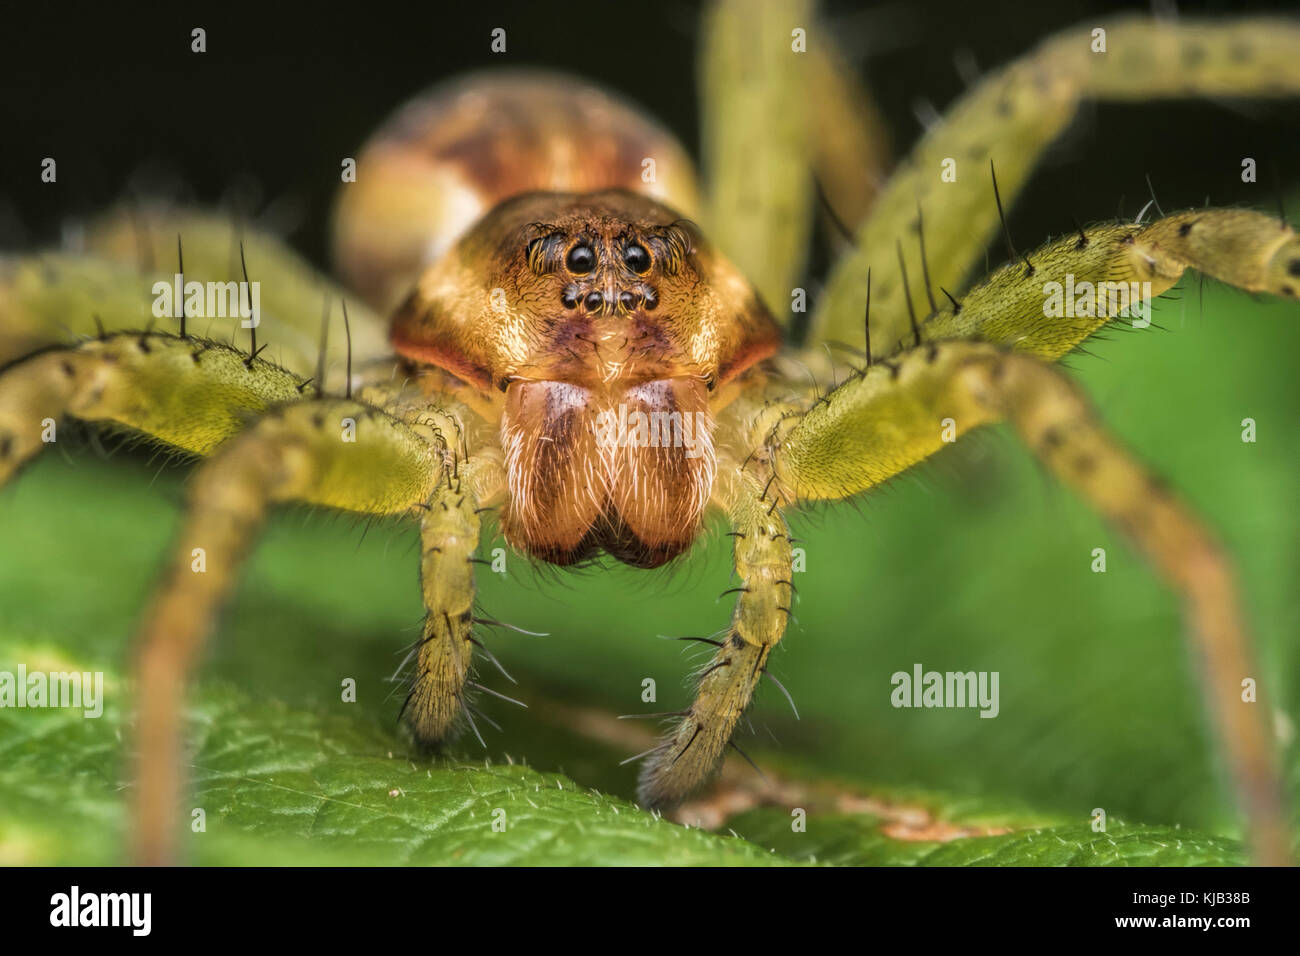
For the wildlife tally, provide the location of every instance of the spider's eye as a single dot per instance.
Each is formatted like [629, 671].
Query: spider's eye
[637, 259]
[581, 260]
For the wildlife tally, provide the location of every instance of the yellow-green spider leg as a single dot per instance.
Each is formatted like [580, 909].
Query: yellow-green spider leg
[338, 453]
[779, 105]
[188, 393]
[879, 423]
[112, 285]
[293, 295]
[50, 299]
[694, 749]
[755, 139]
[1017, 305]
[449, 534]
[1010, 118]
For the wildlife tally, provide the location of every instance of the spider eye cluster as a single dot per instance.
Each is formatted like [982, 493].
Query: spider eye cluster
[585, 260]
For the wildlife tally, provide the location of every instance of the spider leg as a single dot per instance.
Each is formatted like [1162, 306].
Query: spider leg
[1121, 267]
[1011, 118]
[449, 533]
[879, 423]
[691, 753]
[191, 393]
[338, 453]
[114, 285]
[778, 106]
[1057, 295]
[45, 300]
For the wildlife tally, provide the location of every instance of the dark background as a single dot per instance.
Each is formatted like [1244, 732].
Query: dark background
[262, 118]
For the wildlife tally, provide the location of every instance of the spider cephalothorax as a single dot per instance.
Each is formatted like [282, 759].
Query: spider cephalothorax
[609, 324]
[571, 350]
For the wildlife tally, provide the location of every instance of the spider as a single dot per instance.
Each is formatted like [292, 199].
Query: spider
[581, 341]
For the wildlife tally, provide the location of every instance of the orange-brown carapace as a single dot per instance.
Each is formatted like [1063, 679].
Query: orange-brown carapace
[596, 323]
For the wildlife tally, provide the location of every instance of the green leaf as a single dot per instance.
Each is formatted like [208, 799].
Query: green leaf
[856, 839]
[278, 786]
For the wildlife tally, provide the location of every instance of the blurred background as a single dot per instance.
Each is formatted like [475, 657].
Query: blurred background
[975, 561]
[263, 117]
